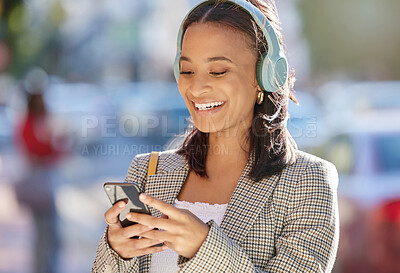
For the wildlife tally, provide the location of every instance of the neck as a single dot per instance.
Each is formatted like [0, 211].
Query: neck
[225, 149]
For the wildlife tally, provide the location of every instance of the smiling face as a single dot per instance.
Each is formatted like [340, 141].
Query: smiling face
[218, 78]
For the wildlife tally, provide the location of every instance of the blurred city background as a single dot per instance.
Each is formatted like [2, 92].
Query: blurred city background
[100, 73]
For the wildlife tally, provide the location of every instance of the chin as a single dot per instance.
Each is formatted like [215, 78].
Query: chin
[208, 129]
[206, 126]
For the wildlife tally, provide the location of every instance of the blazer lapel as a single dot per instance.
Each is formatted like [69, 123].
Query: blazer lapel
[246, 203]
[168, 180]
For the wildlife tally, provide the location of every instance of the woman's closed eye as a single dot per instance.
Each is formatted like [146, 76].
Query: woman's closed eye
[218, 73]
[211, 73]
[186, 72]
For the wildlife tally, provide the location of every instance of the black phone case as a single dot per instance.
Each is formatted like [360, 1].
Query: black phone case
[129, 192]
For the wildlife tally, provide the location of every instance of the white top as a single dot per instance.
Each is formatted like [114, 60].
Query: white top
[166, 261]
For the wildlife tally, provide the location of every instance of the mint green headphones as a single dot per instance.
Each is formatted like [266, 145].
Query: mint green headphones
[272, 66]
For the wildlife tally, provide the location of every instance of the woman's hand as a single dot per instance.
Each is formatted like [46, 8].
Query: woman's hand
[119, 238]
[180, 229]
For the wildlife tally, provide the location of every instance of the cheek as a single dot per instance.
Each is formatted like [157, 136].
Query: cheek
[245, 101]
[242, 93]
[182, 90]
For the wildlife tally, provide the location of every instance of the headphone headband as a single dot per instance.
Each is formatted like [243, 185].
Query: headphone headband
[271, 67]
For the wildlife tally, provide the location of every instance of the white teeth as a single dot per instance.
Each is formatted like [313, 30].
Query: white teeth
[206, 106]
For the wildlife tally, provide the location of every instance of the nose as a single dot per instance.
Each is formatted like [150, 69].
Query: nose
[200, 85]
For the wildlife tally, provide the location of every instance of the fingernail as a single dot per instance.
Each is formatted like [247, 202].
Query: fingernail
[128, 216]
[149, 227]
[142, 196]
[164, 247]
[121, 204]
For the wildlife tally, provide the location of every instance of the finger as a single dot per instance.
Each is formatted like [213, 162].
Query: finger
[158, 235]
[163, 216]
[135, 230]
[149, 220]
[111, 215]
[143, 243]
[162, 206]
[150, 250]
[129, 249]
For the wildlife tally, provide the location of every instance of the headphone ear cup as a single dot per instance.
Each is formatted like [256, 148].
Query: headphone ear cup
[280, 69]
[260, 73]
[264, 74]
[177, 67]
[271, 74]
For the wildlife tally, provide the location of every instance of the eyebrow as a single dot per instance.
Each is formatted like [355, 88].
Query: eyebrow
[209, 60]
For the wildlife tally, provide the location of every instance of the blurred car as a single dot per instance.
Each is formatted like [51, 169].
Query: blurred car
[360, 96]
[342, 101]
[366, 152]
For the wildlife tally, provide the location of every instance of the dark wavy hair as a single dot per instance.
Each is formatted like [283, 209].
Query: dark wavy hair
[268, 136]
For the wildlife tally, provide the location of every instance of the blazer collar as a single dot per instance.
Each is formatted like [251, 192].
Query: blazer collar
[247, 201]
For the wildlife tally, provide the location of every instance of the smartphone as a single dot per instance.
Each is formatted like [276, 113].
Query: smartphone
[129, 192]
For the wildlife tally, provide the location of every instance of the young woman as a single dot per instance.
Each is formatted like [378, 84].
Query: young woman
[237, 196]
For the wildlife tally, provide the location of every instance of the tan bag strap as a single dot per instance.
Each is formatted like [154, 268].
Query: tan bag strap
[152, 164]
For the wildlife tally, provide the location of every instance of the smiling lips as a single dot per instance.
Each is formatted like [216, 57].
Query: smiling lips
[208, 106]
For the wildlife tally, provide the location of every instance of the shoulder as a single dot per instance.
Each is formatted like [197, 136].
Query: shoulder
[310, 168]
[167, 161]
[305, 161]
[309, 186]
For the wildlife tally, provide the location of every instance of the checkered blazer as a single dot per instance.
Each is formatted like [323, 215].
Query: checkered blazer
[285, 223]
